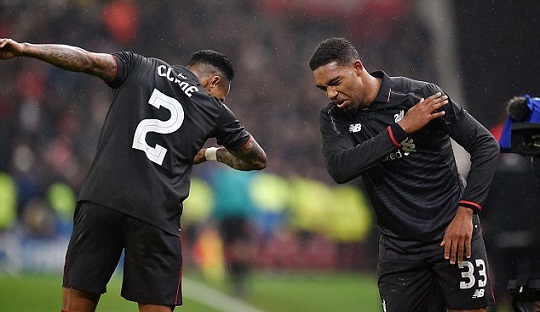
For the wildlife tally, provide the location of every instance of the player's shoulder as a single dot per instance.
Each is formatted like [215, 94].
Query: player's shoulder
[131, 64]
[132, 59]
[406, 85]
[126, 56]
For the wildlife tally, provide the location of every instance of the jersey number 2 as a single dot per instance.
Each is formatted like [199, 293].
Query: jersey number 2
[157, 154]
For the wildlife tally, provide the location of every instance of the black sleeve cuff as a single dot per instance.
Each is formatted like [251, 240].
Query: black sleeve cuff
[397, 134]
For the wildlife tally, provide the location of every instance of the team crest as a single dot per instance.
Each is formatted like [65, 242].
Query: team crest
[398, 117]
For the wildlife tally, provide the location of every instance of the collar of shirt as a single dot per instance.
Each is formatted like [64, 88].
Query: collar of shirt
[384, 92]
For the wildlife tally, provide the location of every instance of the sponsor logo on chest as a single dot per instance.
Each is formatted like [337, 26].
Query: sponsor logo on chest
[407, 146]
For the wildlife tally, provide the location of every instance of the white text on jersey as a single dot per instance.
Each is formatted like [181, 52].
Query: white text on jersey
[408, 146]
[167, 72]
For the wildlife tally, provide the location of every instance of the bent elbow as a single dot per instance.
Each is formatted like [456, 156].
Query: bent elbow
[259, 163]
[338, 176]
[492, 148]
[496, 147]
[336, 170]
[339, 179]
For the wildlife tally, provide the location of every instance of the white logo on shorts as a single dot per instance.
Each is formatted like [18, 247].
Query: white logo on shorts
[478, 293]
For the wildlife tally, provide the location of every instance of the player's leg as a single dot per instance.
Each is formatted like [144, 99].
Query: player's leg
[152, 267]
[237, 250]
[75, 300]
[154, 308]
[408, 285]
[93, 253]
[466, 286]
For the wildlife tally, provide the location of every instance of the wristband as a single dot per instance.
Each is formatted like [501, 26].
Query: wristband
[211, 153]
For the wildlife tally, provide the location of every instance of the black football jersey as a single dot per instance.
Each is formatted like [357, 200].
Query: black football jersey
[159, 119]
[413, 180]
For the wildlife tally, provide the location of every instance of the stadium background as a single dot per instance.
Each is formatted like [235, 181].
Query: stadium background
[481, 52]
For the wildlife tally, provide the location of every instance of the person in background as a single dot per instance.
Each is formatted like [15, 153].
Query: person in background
[160, 118]
[234, 211]
[395, 133]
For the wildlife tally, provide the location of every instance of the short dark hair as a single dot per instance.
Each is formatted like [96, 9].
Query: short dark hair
[214, 59]
[333, 50]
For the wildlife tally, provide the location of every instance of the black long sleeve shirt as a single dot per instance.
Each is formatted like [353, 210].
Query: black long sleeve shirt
[159, 119]
[412, 180]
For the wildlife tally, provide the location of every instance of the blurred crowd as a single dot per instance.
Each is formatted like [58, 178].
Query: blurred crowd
[50, 119]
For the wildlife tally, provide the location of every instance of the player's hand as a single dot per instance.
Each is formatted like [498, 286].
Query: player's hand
[423, 112]
[458, 236]
[199, 157]
[10, 48]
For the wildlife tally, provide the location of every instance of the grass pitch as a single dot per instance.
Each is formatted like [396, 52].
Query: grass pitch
[268, 292]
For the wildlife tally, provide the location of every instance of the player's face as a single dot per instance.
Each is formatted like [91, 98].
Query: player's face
[342, 84]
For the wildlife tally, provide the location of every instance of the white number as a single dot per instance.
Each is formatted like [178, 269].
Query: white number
[157, 154]
[482, 271]
[468, 274]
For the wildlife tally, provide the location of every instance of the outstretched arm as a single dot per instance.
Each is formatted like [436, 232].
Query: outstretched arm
[249, 157]
[67, 57]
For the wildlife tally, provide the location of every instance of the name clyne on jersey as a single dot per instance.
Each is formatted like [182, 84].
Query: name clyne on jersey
[167, 72]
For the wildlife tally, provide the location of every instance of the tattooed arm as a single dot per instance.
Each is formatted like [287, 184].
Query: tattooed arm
[249, 157]
[70, 58]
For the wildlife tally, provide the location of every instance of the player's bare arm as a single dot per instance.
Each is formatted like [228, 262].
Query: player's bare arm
[422, 113]
[67, 57]
[249, 157]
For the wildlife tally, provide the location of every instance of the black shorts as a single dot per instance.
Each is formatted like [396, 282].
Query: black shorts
[152, 264]
[433, 284]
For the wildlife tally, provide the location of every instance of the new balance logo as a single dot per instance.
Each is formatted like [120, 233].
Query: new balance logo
[355, 128]
[478, 293]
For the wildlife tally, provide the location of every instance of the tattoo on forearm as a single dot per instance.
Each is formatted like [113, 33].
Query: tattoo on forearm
[248, 158]
[77, 60]
[234, 162]
[64, 57]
